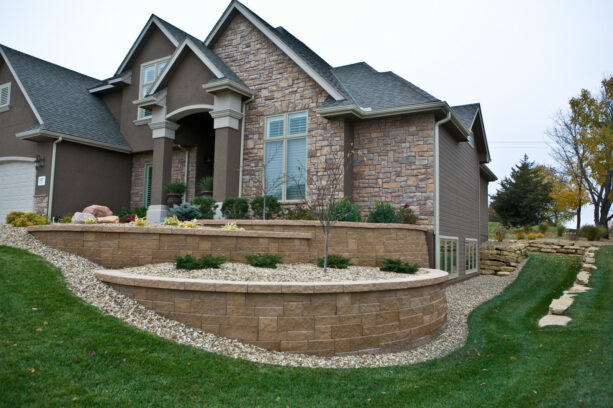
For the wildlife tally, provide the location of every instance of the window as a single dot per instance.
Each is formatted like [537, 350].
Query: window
[449, 255]
[471, 255]
[149, 73]
[285, 155]
[147, 192]
[5, 95]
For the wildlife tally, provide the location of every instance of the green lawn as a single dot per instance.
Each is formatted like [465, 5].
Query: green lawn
[84, 358]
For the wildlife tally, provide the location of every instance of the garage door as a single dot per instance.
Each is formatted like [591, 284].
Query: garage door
[16, 186]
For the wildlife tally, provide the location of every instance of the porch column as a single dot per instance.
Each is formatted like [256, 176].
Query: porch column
[226, 171]
[163, 138]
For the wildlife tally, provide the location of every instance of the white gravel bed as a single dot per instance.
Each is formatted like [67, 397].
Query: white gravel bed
[462, 298]
[283, 273]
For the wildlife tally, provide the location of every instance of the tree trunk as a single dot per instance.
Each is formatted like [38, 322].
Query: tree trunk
[264, 209]
[578, 221]
[326, 234]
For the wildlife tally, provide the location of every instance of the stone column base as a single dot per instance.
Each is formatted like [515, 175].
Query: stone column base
[156, 214]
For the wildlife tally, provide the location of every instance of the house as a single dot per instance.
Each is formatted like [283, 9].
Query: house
[179, 108]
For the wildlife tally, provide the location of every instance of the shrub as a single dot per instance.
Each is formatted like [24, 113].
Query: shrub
[128, 218]
[185, 211]
[176, 187]
[90, 221]
[299, 213]
[527, 228]
[383, 213]
[65, 219]
[531, 236]
[543, 227]
[13, 215]
[231, 226]
[26, 219]
[406, 215]
[335, 261]
[139, 211]
[204, 262]
[592, 232]
[141, 222]
[172, 221]
[188, 224]
[539, 235]
[398, 265]
[206, 206]
[500, 232]
[345, 210]
[560, 230]
[235, 208]
[206, 183]
[519, 234]
[264, 260]
[273, 208]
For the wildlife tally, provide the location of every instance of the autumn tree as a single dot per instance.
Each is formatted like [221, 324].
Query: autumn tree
[583, 144]
[523, 198]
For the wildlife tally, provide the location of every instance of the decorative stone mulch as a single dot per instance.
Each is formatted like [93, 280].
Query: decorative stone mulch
[559, 307]
[462, 298]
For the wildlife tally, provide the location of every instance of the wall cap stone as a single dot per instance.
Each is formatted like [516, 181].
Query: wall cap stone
[431, 277]
[367, 225]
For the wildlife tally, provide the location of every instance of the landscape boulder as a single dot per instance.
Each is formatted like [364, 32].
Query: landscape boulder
[98, 211]
[111, 219]
[80, 217]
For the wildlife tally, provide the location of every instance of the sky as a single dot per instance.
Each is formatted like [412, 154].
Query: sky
[522, 60]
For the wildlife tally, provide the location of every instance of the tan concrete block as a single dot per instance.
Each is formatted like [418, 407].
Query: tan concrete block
[240, 311]
[264, 300]
[215, 319]
[343, 299]
[350, 319]
[188, 319]
[182, 305]
[321, 345]
[322, 332]
[267, 345]
[210, 308]
[296, 323]
[292, 309]
[370, 307]
[387, 317]
[300, 335]
[326, 320]
[211, 328]
[243, 321]
[240, 332]
[318, 309]
[161, 295]
[268, 311]
[235, 299]
[163, 306]
[274, 335]
[267, 324]
[346, 331]
[348, 309]
[294, 345]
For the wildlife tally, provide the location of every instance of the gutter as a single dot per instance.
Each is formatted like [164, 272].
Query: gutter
[52, 181]
[186, 167]
[240, 170]
[437, 237]
[30, 134]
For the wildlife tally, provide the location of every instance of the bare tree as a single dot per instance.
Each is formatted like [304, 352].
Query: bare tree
[324, 182]
[265, 186]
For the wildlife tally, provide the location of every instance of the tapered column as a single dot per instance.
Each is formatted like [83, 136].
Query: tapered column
[163, 138]
[227, 163]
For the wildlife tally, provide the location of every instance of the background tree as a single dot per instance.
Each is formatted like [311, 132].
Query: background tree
[583, 144]
[525, 197]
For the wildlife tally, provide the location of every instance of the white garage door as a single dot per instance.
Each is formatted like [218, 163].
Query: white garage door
[16, 186]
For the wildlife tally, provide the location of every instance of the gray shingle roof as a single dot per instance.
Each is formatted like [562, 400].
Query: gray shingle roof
[466, 113]
[62, 99]
[378, 90]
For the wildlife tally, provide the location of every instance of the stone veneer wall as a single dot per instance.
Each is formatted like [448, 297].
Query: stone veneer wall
[119, 246]
[177, 173]
[394, 162]
[502, 258]
[41, 204]
[312, 318]
[279, 86]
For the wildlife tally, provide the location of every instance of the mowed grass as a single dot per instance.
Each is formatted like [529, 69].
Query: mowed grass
[56, 350]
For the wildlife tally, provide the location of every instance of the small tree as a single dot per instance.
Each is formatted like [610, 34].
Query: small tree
[268, 187]
[525, 197]
[325, 183]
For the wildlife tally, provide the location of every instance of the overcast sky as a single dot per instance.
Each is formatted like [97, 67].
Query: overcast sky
[522, 60]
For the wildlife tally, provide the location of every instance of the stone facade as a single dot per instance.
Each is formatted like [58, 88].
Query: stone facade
[279, 86]
[41, 203]
[139, 160]
[311, 318]
[394, 162]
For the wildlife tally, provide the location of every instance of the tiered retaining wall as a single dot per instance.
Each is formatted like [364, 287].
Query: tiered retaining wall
[502, 258]
[324, 318]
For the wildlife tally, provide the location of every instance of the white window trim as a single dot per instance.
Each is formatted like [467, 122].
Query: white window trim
[139, 111]
[285, 138]
[457, 254]
[476, 269]
[7, 106]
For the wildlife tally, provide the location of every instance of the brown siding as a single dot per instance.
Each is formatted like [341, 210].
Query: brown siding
[113, 102]
[185, 83]
[86, 175]
[483, 212]
[459, 191]
[280, 86]
[154, 46]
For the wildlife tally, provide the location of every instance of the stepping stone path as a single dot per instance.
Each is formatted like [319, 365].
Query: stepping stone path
[559, 307]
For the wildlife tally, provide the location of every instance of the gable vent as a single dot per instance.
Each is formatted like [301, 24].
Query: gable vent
[5, 94]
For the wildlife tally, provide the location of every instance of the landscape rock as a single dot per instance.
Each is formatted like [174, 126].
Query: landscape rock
[98, 211]
[553, 320]
[577, 289]
[111, 219]
[561, 305]
[80, 218]
[583, 278]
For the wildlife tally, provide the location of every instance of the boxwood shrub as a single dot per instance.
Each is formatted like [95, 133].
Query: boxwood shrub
[264, 260]
[335, 261]
[398, 265]
[204, 262]
[235, 208]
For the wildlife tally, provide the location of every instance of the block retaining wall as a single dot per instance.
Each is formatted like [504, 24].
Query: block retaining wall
[327, 318]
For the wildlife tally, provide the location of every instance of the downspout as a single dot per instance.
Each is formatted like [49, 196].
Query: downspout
[52, 181]
[240, 170]
[437, 237]
[186, 167]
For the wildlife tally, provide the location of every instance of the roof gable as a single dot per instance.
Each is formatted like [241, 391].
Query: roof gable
[306, 59]
[472, 118]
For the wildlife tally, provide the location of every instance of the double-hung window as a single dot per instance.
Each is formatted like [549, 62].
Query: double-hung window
[285, 156]
[5, 96]
[471, 255]
[449, 255]
[149, 73]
